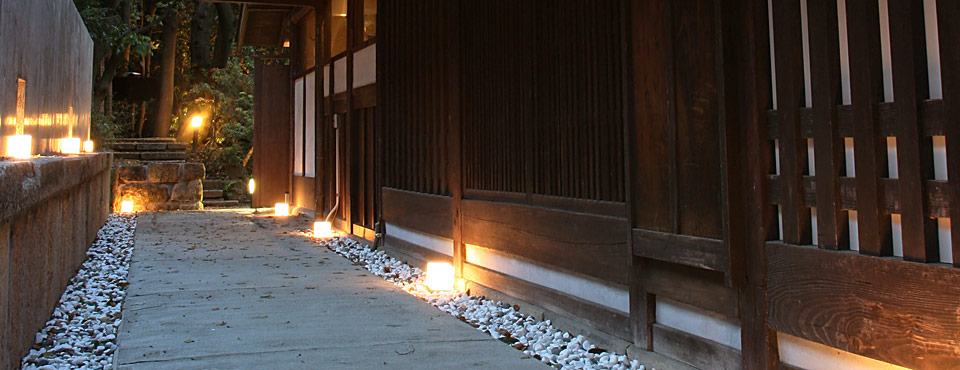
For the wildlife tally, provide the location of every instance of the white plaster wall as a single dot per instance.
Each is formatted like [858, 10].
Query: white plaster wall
[806, 354]
[698, 322]
[435, 243]
[310, 116]
[298, 127]
[365, 66]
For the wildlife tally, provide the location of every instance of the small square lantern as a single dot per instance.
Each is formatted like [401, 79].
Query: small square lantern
[126, 206]
[281, 209]
[70, 145]
[88, 146]
[19, 146]
[323, 230]
[440, 276]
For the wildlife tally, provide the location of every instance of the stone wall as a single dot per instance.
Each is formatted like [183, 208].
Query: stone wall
[50, 211]
[160, 186]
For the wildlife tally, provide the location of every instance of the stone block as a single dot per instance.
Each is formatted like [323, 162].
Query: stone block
[176, 146]
[163, 173]
[192, 171]
[125, 147]
[143, 194]
[128, 174]
[127, 155]
[187, 191]
[151, 146]
[163, 156]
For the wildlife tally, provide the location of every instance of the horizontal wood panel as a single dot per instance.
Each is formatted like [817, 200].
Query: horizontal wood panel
[411, 253]
[365, 96]
[600, 317]
[426, 213]
[612, 209]
[931, 117]
[899, 312]
[687, 250]
[696, 287]
[588, 244]
[699, 352]
[937, 196]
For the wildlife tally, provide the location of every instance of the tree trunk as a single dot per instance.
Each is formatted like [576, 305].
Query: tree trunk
[164, 111]
[201, 25]
[226, 30]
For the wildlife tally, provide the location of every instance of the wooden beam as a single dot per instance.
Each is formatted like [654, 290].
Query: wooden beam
[949, 29]
[575, 242]
[451, 95]
[936, 195]
[696, 351]
[891, 310]
[425, 213]
[705, 253]
[696, 287]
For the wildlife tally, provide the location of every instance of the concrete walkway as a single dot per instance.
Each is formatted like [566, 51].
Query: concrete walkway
[232, 289]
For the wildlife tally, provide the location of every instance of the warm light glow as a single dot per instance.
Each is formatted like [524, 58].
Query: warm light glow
[18, 146]
[126, 206]
[88, 146]
[251, 186]
[196, 121]
[281, 209]
[322, 230]
[286, 44]
[440, 276]
[70, 145]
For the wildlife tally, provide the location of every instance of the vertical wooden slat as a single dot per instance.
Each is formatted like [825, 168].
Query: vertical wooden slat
[828, 145]
[948, 14]
[914, 149]
[789, 90]
[745, 38]
[870, 147]
[671, 115]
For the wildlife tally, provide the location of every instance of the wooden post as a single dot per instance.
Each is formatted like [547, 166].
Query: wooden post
[948, 13]
[451, 40]
[322, 7]
[745, 34]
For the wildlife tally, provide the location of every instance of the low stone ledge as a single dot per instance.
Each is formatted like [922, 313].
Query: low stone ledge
[24, 183]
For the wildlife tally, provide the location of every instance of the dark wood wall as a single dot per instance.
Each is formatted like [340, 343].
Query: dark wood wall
[271, 132]
[632, 143]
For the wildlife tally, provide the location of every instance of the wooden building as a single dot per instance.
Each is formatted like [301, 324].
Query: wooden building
[734, 184]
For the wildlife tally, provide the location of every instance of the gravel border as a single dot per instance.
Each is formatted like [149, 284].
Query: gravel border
[81, 334]
[537, 339]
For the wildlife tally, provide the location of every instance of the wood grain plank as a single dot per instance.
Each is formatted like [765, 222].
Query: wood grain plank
[582, 243]
[426, 213]
[696, 351]
[832, 230]
[914, 148]
[705, 253]
[696, 287]
[947, 14]
[865, 305]
[870, 147]
[790, 97]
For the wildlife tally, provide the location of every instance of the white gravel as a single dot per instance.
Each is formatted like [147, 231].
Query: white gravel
[538, 339]
[81, 334]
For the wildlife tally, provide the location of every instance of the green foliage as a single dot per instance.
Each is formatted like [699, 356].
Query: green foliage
[227, 104]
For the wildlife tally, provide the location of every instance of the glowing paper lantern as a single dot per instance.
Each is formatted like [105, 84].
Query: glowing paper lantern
[251, 186]
[281, 209]
[70, 145]
[19, 146]
[440, 276]
[88, 146]
[322, 230]
[196, 121]
[126, 206]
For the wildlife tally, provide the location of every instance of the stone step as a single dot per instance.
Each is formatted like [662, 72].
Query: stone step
[125, 146]
[148, 139]
[213, 184]
[221, 203]
[151, 156]
[212, 194]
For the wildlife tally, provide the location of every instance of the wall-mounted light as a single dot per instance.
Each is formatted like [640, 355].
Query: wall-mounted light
[281, 209]
[323, 230]
[70, 145]
[251, 186]
[126, 206]
[440, 276]
[19, 146]
[286, 44]
[88, 146]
